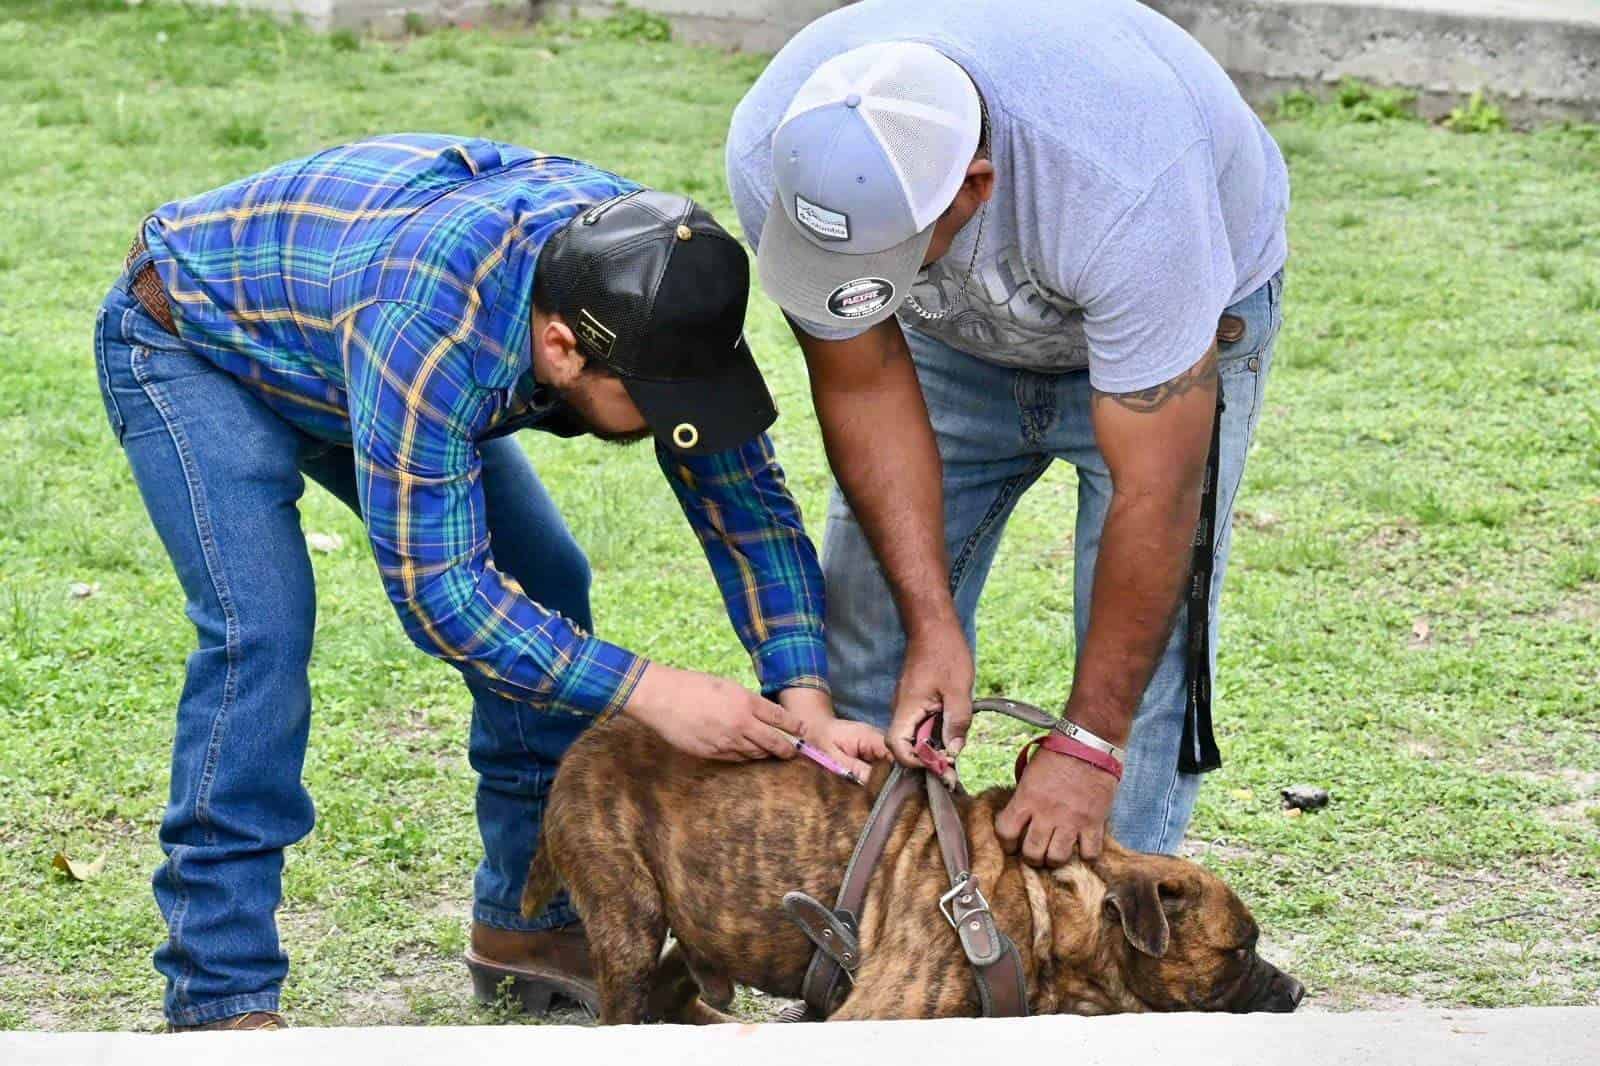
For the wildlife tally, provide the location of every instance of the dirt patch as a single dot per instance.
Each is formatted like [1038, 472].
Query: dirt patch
[1427, 750]
[1062, 551]
[412, 724]
[1537, 894]
[1580, 606]
[1391, 536]
[1337, 1000]
[34, 1015]
[1213, 851]
[424, 733]
[1257, 520]
[457, 907]
[1585, 783]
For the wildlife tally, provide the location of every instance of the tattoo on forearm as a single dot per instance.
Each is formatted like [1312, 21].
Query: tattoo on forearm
[1156, 396]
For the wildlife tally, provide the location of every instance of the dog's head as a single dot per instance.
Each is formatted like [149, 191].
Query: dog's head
[1165, 934]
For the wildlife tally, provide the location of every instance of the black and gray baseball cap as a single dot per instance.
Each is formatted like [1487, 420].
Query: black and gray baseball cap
[871, 151]
[655, 291]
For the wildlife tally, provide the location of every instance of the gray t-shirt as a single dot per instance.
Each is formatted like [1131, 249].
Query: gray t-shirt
[1137, 195]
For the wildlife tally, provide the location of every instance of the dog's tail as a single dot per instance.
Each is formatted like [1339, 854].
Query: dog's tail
[542, 884]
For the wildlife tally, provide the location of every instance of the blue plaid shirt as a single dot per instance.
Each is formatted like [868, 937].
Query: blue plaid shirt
[379, 295]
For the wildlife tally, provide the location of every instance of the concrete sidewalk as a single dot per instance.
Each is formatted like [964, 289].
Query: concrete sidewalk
[1550, 1036]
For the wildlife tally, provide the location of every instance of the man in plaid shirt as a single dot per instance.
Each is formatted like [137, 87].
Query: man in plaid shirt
[379, 317]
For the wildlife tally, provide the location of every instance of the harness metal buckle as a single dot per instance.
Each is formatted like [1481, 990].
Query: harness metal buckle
[966, 886]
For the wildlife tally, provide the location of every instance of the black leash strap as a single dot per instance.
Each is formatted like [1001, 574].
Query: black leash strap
[1199, 754]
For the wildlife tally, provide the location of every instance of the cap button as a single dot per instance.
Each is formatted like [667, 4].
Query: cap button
[853, 100]
[684, 233]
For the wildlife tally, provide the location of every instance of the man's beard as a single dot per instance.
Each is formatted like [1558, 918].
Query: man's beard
[570, 415]
[620, 439]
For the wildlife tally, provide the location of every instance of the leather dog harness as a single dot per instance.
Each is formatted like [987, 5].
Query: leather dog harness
[996, 963]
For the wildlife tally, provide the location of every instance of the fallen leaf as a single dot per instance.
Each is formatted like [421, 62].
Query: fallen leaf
[1243, 794]
[326, 543]
[1421, 633]
[1292, 812]
[77, 870]
[82, 590]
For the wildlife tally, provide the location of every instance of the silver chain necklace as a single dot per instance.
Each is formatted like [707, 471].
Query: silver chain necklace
[934, 316]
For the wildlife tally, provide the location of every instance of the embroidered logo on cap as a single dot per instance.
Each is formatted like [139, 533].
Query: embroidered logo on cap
[827, 225]
[860, 298]
[595, 334]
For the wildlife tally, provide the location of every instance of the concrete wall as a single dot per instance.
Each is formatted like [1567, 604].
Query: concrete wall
[746, 25]
[387, 16]
[1536, 58]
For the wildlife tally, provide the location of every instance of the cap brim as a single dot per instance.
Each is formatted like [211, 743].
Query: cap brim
[707, 415]
[807, 281]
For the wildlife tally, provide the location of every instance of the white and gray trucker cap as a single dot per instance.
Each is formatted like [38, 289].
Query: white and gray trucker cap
[871, 151]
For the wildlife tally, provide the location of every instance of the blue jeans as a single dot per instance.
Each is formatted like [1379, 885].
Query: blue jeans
[998, 429]
[221, 475]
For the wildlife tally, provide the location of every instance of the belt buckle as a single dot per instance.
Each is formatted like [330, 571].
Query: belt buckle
[966, 891]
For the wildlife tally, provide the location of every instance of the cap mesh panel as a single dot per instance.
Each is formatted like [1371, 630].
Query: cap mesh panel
[924, 152]
[827, 85]
[895, 84]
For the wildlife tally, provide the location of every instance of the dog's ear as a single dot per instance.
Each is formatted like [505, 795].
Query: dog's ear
[1137, 903]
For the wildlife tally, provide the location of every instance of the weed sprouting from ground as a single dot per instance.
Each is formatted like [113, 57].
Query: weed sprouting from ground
[1477, 115]
[1586, 296]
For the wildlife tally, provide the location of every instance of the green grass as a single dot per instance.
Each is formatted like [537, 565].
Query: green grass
[1412, 615]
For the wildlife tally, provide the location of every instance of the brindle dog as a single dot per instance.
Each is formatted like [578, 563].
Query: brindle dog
[648, 840]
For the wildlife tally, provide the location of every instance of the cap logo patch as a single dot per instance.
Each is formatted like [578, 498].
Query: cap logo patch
[826, 225]
[594, 334]
[860, 298]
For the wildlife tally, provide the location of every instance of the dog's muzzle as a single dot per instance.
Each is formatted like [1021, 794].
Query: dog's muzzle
[1271, 990]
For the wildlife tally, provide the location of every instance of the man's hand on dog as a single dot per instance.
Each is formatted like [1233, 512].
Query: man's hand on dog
[937, 676]
[1060, 806]
[710, 717]
[855, 745]
[713, 718]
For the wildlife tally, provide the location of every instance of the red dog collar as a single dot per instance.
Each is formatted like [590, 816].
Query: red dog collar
[1065, 745]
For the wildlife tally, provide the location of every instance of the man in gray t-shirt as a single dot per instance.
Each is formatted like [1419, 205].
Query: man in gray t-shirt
[962, 205]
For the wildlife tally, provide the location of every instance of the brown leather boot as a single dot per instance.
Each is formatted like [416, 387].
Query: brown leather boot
[532, 969]
[254, 1021]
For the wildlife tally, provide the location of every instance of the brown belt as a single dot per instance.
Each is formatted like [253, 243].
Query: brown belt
[996, 965]
[147, 287]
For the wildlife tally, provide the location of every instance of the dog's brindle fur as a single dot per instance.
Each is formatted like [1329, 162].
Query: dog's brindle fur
[647, 839]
